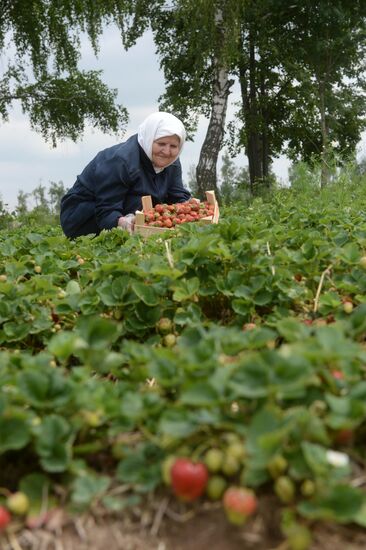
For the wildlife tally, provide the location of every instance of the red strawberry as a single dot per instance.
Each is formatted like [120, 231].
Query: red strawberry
[4, 518]
[239, 503]
[189, 479]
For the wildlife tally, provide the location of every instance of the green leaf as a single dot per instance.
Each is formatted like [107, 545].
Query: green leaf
[16, 331]
[146, 293]
[316, 458]
[360, 517]
[36, 486]
[141, 467]
[292, 329]
[98, 333]
[250, 380]
[117, 504]
[178, 423]
[185, 289]
[241, 306]
[45, 389]
[65, 344]
[264, 436]
[14, 434]
[188, 315]
[118, 288]
[52, 443]
[263, 297]
[199, 394]
[341, 503]
[73, 287]
[5, 311]
[350, 253]
[132, 406]
[88, 488]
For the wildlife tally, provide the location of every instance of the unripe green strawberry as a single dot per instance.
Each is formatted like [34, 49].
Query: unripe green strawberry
[284, 488]
[117, 314]
[166, 467]
[230, 465]
[307, 488]
[347, 307]
[18, 503]
[363, 262]
[277, 466]
[169, 340]
[214, 459]
[164, 325]
[216, 486]
[92, 418]
[231, 437]
[118, 450]
[298, 538]
[237, 450]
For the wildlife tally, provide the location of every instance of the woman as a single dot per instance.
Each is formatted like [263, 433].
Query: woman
[108, 191]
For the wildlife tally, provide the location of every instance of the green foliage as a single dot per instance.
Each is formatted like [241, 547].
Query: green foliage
[43, 73]
[6, 218]
[301, 74]
[234, 182]
[256, 305]
[60, 107]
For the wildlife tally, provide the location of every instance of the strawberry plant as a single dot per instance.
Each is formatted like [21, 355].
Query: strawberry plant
[233, 356]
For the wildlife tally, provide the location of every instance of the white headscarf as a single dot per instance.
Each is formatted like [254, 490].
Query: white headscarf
[156, 126]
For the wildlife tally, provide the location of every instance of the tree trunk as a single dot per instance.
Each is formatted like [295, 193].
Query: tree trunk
[264, 133]
[206, 171]
[254, 140]
[325, 171]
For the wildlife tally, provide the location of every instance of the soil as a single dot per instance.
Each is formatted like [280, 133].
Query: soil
[168, 525]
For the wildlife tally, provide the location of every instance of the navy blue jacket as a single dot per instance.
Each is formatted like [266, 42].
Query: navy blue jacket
[112, 185]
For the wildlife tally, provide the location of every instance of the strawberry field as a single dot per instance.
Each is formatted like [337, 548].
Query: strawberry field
[219, 364]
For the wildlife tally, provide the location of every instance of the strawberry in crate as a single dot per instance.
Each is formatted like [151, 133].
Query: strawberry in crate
[170, 215]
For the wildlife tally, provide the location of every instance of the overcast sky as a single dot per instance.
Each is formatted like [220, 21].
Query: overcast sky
[26, 161]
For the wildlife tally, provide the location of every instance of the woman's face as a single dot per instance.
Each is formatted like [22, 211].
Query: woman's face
[164, 151]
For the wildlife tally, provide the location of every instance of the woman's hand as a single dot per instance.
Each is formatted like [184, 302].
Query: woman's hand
[127, 222]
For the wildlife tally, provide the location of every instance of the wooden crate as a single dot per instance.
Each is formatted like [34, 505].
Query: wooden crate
[146, 230]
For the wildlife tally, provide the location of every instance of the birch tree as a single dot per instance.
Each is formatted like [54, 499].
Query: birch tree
[40, 49]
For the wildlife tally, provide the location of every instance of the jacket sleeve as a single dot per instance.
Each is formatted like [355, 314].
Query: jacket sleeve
[176, 190]
[108, 180]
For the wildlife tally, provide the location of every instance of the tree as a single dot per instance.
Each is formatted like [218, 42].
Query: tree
[234, 181]
[56, 191]
[39, 195]
[6, 217]
[300, 68]
[22, 206]
[221, 84]
[323, 49]
[192, 40]
[42, 72]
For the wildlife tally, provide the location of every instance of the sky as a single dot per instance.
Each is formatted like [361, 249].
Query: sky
[27, 161]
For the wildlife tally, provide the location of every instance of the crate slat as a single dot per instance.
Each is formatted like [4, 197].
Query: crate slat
[146, 203]
[147, 230]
